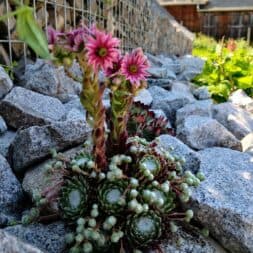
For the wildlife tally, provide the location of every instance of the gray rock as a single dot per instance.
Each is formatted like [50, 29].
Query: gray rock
[168, 101]
[76, 70]
[144, 97]
[37, 178]
[5, 142]
[202, 132]
[49, 80]
[24, 108]
[192, 242]
[6, 83]
[48, 238]
[184, 89]
[224, 201]
[191, 66]
[34, 143]
[158, 72]
[164, 83]
[247, 143]
[179, 148]
[11, 193]
[10, 244]
[3, 127]
[238, 121]
[200, 108]
[241, 99]
[202, 93]
[74, 110]
[154, 60]
[170, 63]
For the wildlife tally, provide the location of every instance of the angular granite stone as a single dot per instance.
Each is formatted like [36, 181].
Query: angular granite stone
[10, 244]
[24, 108]
[202, 132]
[237, 120]
[48, 238]
[33, 144]
[179, 148]
[224, 201]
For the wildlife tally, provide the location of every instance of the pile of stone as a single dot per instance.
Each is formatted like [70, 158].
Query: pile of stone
[43, 111]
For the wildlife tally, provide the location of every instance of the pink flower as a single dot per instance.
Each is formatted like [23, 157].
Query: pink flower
[76, 39]
[116, 67]
[52, 35]
[102, 49]
[135, 66]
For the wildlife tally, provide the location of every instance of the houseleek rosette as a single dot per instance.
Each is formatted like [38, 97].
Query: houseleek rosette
[74, 198]
[150, 164]
[111, 196]
[143, 229]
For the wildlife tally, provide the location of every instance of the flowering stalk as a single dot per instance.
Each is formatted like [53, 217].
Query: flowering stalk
[121, 98]
[121, 101]
[91, 99]
[127, 78]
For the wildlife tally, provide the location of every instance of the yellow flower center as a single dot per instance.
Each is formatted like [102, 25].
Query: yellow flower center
[102, 52]
[133, 69]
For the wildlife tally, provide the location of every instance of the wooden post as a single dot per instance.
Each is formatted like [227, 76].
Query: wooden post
[249, 35]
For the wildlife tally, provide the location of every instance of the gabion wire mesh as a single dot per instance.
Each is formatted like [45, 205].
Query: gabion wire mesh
[128, 20]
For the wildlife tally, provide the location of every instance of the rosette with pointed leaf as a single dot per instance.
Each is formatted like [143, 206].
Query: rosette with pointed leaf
[150, 163]
[144, 228]
[74, 198]
[144, 122]
[111, 196]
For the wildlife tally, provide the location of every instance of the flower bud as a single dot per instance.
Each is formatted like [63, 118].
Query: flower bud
[173, 227]
[81, 221]
[69, 238]
[94, 213]
[133, 193]
[101, 176]
[111, 220]
[79, 238]
[139, 208]
[200, 176]
[87, 247]
[133, 204]
[133, 149]
[189, 213]
[90, 165]
[155, 183]
[134, 182]
[92, 223]
[145, 207]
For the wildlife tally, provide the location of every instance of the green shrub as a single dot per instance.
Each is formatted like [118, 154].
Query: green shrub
[229, 67]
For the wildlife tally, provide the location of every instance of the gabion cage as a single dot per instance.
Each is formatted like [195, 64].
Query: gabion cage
[128, 20]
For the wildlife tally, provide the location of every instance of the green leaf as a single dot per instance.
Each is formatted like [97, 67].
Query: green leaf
[29, 31]
[245, 82]
[221, 89]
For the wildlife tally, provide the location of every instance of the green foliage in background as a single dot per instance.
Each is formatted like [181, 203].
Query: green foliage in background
[229, 66]
[29, 31]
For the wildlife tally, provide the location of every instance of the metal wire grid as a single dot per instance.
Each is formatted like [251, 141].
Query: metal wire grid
[128, 20]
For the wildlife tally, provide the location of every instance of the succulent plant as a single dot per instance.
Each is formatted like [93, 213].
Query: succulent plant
[164, 200]
[111, 196]
[144, 123]
[129, 201]
[91, 99]
[144, 228]
[73, 200]
[150, 165]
